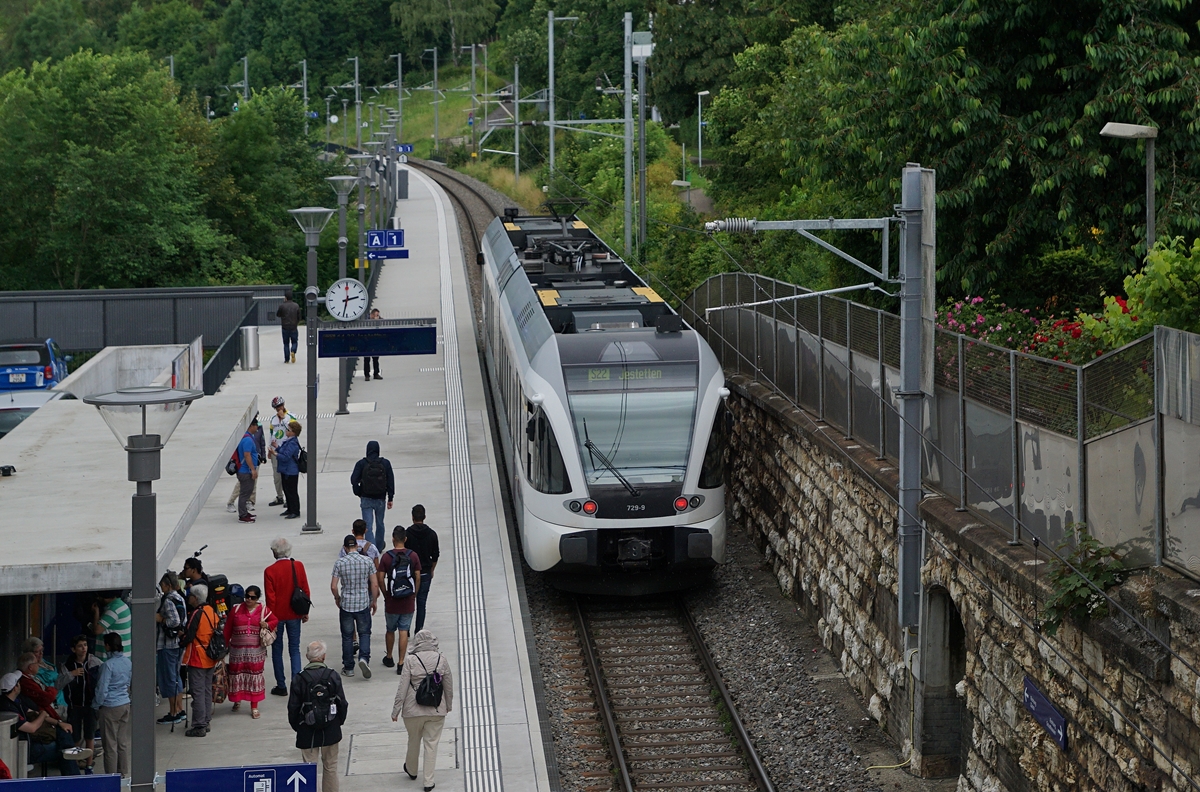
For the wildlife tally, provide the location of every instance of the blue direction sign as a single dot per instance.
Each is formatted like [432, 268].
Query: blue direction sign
[381, 254]
[374, 341]
[81, 783]
[404, 148]
[255, 778]
[386, 238]
[1045, 713]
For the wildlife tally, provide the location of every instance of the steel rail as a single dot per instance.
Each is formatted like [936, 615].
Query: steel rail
[606, 711]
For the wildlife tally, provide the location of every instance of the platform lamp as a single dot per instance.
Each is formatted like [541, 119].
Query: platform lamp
[312, 220]
[391, 161]
[375, 147]
[143, 420]
[342, 185]
[359, 163]
[1147, 133]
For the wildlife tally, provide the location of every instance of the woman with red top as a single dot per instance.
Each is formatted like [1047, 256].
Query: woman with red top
[33, 689]
[281, 581]
[245, 628]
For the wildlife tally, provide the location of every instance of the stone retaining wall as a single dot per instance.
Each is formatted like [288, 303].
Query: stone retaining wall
[821, 509]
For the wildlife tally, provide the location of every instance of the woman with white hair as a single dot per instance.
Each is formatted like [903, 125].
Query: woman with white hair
[423, 719]
[288, 596]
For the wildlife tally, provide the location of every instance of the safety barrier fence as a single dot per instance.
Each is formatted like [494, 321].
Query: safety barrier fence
[217, 369]
[1028, 444]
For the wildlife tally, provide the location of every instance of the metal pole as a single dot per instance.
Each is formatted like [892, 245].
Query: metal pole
[699, 131]
[1013, 387]
[883, 402]
[304, 80]
[962, 424]
[361, 264]
[516, 122]
[911, 269]
[436, 104]
[246, 77]
[849, 378]
[820, 357]
[1150, 235]
[551, 97]
[628, 135]
[171, 60]
[1159, 479]
[310, 523]
[474, 104]
[207, 117]
[327, 121]
[642, 159]
[142, 602]
[1081, 430]
[400, 96]
[485, 88]
[345, 124]
[357, 107]
[342, 243]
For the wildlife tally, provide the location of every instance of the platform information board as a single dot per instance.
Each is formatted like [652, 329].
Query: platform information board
[379, 338]
[252, 778]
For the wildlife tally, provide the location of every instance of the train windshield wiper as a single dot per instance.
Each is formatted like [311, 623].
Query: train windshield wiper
[595, 453]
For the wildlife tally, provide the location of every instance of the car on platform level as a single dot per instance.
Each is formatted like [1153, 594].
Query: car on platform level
[29, 363]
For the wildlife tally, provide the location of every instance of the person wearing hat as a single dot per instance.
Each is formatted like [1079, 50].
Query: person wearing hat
[249, 455]
[201, 627]
[277, 428]
[356, 601]
[62, 749]
[234, 503]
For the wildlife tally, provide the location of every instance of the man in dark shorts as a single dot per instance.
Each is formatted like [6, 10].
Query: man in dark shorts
[398, 611]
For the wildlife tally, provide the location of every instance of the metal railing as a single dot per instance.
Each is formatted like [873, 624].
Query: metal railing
[1028, 444]
[217, 369]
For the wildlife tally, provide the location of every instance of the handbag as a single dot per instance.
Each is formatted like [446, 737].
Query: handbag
[300, 602]
[265, 634]
[220, 684]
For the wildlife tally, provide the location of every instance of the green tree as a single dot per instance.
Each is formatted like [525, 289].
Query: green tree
[446, 24]
[53, 29]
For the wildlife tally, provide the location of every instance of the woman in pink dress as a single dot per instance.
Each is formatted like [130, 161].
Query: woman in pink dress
[244, 628]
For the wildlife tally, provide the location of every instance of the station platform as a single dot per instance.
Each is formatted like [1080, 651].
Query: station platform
[430, 418]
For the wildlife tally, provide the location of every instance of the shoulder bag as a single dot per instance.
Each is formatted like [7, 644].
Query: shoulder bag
[300, 602]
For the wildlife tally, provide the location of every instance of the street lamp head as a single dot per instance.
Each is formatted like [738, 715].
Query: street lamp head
[312, 220]
[143, 418]
[342, 185]
[702, 93]
[1129, 131]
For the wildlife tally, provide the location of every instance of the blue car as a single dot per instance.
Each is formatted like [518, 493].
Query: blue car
[31, 363]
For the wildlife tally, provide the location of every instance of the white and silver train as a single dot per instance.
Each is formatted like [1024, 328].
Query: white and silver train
[611, 413]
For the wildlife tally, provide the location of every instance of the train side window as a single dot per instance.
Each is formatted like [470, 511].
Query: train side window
[712, 473]
[547, 472]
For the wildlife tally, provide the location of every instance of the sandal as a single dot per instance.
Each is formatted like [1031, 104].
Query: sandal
[254, 713]
[236, 705]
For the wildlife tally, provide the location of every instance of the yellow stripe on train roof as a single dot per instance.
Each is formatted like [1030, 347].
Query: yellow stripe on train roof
[648, 293]
[548, 296]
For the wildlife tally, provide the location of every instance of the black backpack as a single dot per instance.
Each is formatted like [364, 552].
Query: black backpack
[302, 461]
[399, 577]
[429, 692]
[374, 479]
[319, 710]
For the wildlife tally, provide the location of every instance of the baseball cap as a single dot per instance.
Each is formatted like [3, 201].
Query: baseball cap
[350, 541]
[10, 681]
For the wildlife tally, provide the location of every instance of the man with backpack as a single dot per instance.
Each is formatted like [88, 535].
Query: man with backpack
[316, 710]
[424, 698]
[198, 647]
[373, 481]
[399, 580]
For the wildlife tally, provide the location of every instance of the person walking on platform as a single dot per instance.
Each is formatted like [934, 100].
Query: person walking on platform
[289, 322]
[372, 481]
[249, 628]
[316, 711]
[359, 529]
[201, 627]
[282, 580]
[171, 617]
[367, 360]
[287, 460]
[400, 579]
[357, 602]
[249, 453]
[112, 705]
[423, 541]
[423, 707]
[277, 427]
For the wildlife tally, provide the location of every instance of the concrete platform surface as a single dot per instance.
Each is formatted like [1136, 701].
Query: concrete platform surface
[430, 419]
[65, 454]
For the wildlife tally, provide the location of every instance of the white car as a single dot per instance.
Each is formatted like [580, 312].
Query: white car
[16, 406]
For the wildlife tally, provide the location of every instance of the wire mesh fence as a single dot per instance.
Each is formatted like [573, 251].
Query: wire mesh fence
[1030, 445]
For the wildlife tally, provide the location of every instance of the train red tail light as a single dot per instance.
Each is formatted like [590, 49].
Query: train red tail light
[589, 507]
[681, 503]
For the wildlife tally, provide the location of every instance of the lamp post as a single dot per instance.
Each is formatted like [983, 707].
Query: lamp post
[436, 99]
[399, 91]
[360, 162]
[312, 220]
[143, 420]
[373, 147]
[700, 128]
[342, 185]
[1148, 134]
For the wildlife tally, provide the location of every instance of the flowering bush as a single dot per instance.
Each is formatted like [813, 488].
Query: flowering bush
[985, 318]
[1166, 292]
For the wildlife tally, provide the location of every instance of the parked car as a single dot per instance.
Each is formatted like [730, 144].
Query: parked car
[31, 363]
[16, 406]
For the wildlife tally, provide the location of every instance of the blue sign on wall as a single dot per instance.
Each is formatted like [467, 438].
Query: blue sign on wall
[80, 783]
[255, 778]
[373, 341]
[386, 238]
[1044, 713]
[381, 254]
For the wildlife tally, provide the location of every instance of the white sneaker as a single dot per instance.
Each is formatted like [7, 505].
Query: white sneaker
[364, 668]
[231, 508]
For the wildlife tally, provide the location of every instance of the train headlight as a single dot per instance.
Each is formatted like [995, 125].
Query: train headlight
[681, 503]
[695, 502]
[589, 507]
[574, 506]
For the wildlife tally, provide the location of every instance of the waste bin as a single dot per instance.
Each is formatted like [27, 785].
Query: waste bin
[249, 348]
[9, 744]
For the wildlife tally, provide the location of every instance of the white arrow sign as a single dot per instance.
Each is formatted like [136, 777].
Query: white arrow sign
[296, 780]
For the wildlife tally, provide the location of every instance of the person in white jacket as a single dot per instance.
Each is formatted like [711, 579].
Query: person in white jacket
[423, 723]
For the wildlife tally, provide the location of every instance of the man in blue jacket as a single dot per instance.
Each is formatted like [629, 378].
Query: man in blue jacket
[112, 703]
[248, 457]
[373, 481]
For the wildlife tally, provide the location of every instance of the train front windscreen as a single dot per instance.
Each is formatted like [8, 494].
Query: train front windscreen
[633, 421]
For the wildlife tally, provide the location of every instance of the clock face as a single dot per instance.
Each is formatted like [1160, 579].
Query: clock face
[346, 300]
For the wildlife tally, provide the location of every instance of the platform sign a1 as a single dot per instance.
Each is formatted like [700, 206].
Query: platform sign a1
[1045, 713]
[79, 783]
[386, 238]
[254, 778]
[404, 148]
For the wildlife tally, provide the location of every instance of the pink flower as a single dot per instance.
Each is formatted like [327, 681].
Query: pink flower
[958, 306]
[976, 300]
[978, 318]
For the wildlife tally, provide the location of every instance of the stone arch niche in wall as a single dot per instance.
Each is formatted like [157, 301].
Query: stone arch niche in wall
[943, 728]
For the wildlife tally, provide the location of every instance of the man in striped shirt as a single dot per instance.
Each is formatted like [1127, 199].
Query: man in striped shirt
[116, 619]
